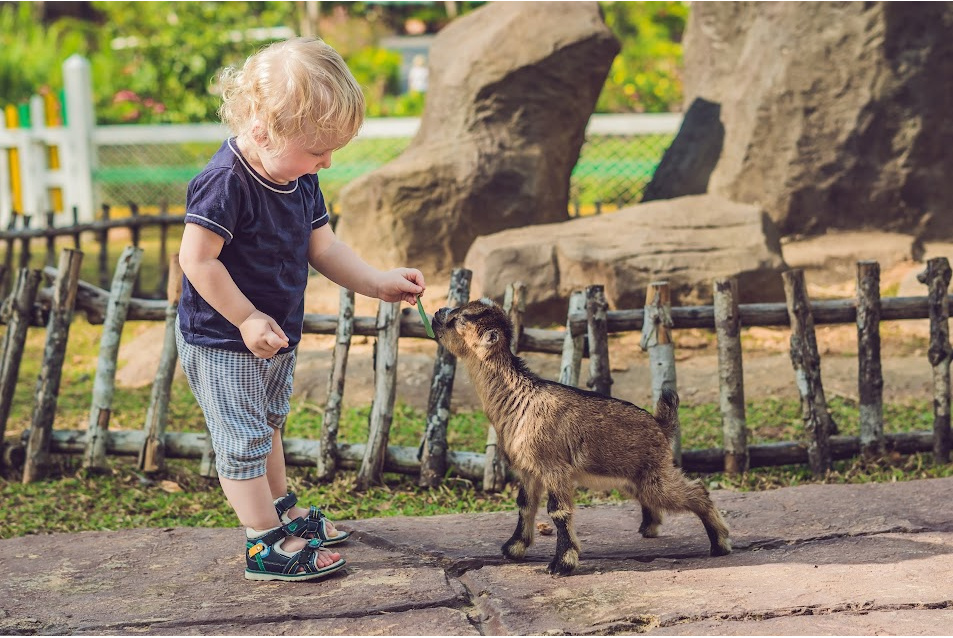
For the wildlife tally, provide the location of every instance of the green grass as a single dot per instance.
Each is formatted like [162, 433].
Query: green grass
[70, 500]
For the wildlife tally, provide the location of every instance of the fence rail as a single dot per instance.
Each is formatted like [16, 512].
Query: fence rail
[586, 335]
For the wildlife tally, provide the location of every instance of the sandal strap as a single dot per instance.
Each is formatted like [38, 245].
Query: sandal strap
[314, 523]
[288, 529]
[286, 502]
[307, 552]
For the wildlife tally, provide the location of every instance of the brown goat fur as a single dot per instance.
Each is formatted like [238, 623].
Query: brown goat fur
[556, 437]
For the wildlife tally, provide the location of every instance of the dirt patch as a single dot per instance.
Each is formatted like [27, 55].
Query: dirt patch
[829, 263]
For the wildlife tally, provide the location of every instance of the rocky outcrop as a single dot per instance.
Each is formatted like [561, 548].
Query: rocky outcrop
[512, 86]
[686, 241]
[834, 114]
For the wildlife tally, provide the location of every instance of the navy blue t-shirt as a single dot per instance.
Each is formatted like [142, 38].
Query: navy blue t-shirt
[266, 227]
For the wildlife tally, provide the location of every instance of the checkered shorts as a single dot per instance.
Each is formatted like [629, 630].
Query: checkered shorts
[244, 398]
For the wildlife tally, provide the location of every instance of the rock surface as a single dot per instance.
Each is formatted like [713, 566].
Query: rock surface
[832, 115]
[686, 241]
[816, 559]
[512, 87]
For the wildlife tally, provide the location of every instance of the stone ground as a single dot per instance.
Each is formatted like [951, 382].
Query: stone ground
[810, 560]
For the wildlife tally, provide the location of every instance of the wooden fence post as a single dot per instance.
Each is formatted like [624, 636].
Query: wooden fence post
[50, 239]
[870, 382]
[327, 461]
[807, 371]
[600, 379]
[23, 297]
[731, 387]
[76, 235]
[135, 232]
[573, 347]
[494, 471]
[433, 448]
[104, 384]
[25, 255]
[8, 256]
[164, 263]
[385, 388]
[54, 352]
[937, 277]
[657, 341]
[104, 249]
[152, 454]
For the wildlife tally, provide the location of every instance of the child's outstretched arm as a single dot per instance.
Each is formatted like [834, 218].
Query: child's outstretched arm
[339, 263]
[198, 256]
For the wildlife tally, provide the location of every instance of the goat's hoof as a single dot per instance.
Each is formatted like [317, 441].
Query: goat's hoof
[564, 564]
[649, 531]
[722, 549]
[514, 549]
[557, 568]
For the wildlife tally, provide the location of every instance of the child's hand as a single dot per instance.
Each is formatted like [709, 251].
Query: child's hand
[262, 335]
[401, 284]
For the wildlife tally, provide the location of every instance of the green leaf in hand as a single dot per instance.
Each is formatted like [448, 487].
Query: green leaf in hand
[423, 317]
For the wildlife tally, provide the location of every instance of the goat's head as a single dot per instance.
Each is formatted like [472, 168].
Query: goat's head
[479, 329]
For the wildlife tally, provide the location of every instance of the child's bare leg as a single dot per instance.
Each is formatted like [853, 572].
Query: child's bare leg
[278, 481]
[251, 499]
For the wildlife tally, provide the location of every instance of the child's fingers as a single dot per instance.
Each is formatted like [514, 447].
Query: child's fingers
[276, 329]
[276, 341]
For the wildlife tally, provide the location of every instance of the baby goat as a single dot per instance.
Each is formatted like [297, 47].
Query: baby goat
[555, 436]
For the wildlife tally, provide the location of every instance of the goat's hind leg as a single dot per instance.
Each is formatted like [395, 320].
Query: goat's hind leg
[679, 493]
[530, 493]
[699, 502]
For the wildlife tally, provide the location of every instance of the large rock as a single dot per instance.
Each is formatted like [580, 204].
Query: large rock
[835, 114]
[686, 241]
[512, 86]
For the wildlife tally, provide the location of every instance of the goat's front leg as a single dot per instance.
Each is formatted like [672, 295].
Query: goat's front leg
[528, 502]
[560, 507]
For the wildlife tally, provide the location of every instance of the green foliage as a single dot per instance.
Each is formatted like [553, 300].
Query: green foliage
[646, 75]
[159, 64]
[31, 55]
[378, 73]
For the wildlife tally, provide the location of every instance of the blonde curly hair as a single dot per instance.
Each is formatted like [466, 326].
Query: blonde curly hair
[295, 91]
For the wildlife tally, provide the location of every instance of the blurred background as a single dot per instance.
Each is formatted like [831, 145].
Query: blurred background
[155, 63]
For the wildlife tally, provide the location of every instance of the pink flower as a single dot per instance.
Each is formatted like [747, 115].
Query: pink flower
[125, 96]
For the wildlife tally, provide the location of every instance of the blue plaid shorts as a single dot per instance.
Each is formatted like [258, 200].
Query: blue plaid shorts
[244, 399]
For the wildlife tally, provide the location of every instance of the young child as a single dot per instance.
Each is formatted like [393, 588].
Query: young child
[255, 219]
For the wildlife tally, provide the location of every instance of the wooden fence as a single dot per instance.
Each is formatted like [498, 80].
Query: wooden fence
[20, 240]
[585, 336]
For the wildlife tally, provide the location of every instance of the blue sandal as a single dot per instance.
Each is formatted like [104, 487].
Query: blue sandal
[315, 522]
[265, 560]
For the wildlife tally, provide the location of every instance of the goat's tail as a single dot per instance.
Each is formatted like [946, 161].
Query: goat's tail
[666, 412]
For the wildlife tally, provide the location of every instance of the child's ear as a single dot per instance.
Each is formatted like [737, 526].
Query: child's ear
[258, 133]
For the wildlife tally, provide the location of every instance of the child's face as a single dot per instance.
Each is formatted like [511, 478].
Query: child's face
[300, 158]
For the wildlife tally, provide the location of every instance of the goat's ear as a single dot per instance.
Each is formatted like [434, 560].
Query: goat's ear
[490, 337]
